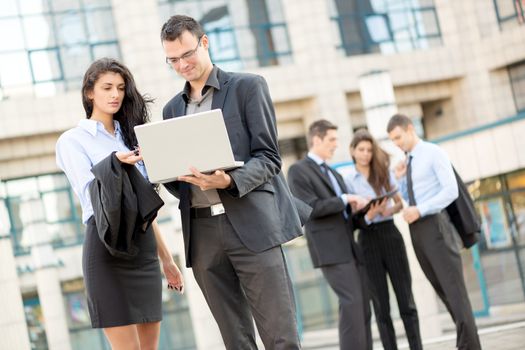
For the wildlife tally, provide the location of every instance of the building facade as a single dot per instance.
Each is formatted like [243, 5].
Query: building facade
[457, 68]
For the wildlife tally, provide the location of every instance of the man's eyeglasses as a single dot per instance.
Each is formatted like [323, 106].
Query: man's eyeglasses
[185, 57]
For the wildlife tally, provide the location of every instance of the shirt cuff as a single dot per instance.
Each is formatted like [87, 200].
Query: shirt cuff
[423, 210]
[344, 198]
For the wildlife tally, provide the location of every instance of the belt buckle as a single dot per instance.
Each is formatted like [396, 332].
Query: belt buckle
[217, 209]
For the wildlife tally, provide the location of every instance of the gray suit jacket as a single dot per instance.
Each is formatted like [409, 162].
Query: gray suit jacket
[328, 234]
[260, 207]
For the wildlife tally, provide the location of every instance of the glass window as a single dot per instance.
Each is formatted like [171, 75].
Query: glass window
[75, 61]
[510, 12]
[100, 25]
[252, 35]
[38, 32]
[32, 7]
[70, 28]
[105, 50]
[518, 206]
[64, 5]
[480, 188]
[176, 327]
[35, 322]
[517, 80]
[516, 180]
[51, 43]
[96, 3]
[8, 8]
[316, 301]
[5, 225]
[384, 26]
[42, 210]
[82, 336]
[46, 65]
[15, 77]
[11, 35]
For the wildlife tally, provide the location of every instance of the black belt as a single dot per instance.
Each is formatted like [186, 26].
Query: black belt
[208, 212]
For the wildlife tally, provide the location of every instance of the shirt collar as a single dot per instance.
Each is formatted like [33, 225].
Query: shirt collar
[93, 126]
[353, 173]
[213, 81]
[318, 160]
[416, 149]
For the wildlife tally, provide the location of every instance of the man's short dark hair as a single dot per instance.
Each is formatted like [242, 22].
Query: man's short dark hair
[176, 25]
[400, 120]
[319, 128]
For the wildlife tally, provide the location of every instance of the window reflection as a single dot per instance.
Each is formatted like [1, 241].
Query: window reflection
[51, 43]
[517, 79]
[251, 35]
[38, 33]
[510, 12]
[385, 26]
[42, 210]
[5, 225]
[35, 322]
[31, 7]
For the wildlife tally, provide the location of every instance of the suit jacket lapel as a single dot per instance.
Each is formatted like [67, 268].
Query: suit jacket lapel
[339, 179]
[318, 171]
[220, 95]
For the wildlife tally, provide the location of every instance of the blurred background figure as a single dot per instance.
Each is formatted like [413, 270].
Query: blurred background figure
[383, 247]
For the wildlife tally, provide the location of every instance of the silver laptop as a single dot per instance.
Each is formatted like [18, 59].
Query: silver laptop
[170, 147]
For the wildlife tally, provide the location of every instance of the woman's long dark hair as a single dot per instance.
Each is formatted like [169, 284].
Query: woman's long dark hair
[134, 110]
[379, 176]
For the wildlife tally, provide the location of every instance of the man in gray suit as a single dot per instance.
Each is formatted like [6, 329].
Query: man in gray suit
[329, 233]
[234, 222]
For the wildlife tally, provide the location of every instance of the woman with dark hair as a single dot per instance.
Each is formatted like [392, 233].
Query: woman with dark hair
[382, 244]
[124, 294]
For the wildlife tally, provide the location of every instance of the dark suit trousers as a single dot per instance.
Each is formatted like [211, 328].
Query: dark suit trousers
[439, 257]
[238, 284]
[349, 284]
[384, 253]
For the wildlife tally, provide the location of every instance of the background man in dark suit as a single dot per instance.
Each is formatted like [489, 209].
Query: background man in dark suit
[235, 222]
[428, 185]
[329, 233]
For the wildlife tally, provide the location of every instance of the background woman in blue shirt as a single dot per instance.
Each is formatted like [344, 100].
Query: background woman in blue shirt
[124, 296]
[382, 244]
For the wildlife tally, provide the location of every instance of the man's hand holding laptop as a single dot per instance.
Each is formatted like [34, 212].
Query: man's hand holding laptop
[219, 179]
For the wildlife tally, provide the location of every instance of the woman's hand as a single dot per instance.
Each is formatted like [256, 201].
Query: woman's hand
[376, 208]
[174, 276]
[130, 157]
[356, 202]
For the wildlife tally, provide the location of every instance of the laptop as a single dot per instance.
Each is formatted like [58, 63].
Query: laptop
[171, 146]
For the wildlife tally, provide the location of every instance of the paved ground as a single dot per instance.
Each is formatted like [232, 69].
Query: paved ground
[506, 337]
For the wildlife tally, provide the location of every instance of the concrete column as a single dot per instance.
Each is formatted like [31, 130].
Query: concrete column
[50, 296]
[13, 326]
[331, 105]
[377, 94]
[424, 295]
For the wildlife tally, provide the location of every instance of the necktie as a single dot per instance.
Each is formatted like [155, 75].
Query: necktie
[410, 187]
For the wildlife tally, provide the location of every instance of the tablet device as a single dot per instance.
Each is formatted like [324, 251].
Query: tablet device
[171, 146]
[375, 200]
